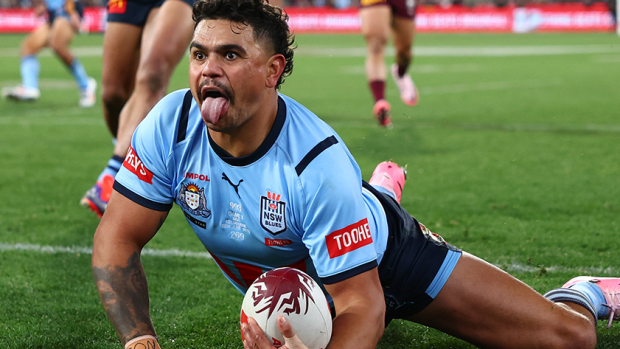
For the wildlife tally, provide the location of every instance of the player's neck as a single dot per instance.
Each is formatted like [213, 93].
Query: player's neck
[245, 139]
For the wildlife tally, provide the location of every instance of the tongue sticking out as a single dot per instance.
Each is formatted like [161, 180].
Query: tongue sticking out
[212, 109]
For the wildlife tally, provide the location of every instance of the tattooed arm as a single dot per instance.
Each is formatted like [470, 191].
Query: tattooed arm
[122, 233]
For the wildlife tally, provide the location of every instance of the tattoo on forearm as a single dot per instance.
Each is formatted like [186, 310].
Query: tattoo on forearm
[125, 298]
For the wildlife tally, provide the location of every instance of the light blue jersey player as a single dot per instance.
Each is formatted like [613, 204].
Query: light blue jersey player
[265, 183]
[63, 22]
[266, 210]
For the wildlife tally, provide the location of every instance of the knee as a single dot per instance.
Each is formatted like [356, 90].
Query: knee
[114, 96]
[26, 49]
[376, 44]
[153, 77]
[58, 46]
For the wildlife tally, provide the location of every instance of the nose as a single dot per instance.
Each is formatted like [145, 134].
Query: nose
[212, 68]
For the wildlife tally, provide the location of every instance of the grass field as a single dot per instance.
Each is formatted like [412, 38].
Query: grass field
[513, 154]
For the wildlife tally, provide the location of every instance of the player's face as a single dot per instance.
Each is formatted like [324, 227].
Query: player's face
[228, 73]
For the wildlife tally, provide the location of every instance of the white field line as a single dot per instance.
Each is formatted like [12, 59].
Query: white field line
[80, 51]
[48, 84]
[509, 267]
[429, 51]
[88, 250]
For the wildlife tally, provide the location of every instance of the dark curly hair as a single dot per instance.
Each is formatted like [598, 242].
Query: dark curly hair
[267, 21]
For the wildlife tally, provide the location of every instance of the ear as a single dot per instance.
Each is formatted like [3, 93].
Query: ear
[275, 67]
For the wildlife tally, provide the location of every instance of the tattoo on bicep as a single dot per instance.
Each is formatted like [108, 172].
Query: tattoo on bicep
[125, 297]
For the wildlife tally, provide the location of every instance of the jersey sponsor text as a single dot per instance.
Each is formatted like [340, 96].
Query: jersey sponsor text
[197, 176]
[134, 164]
[277, 242]
[348, 239]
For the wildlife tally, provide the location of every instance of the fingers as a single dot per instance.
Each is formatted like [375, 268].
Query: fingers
[290, 338]
[254, 338]
[285, 327]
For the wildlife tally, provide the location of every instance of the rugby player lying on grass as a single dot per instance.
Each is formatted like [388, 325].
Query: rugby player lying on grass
[264, 183]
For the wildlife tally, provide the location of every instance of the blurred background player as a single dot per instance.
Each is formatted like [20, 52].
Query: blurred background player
[143, 43]
[63, 22]
[379, 18]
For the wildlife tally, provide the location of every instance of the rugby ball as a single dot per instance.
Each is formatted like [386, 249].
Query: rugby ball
[294, 294]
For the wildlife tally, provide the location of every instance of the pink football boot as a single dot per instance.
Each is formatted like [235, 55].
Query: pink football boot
[390, 176]
[408, 91]
[381, 111]
[611, 291]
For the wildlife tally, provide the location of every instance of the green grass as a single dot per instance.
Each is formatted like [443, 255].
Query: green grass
[513, 158]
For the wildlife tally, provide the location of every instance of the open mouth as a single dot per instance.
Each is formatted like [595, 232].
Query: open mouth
[215, 102]
[211, 92]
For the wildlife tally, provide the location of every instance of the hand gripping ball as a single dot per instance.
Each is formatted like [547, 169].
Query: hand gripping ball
[294, 294]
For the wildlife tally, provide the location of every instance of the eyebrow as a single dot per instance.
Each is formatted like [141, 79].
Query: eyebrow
[225, 47]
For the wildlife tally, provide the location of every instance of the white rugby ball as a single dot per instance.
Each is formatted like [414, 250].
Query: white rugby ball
[294, 294]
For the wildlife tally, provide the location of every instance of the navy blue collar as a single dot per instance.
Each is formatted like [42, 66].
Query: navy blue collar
[262, 149]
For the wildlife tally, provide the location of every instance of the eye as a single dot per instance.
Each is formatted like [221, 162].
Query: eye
[230, 55]
[199, 55]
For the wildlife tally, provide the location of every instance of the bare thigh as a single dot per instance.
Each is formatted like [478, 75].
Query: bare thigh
[121, 54]
[491, 309]
[376, 21]
[35, 41]
[164, 42]
[165, 39]
[60, 38]
[403, 33]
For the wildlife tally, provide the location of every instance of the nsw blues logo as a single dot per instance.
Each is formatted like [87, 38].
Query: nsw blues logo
[193, 200]
[273, 213]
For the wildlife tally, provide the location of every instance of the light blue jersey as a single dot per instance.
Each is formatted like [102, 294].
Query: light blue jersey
[55, 5]
[296, 201]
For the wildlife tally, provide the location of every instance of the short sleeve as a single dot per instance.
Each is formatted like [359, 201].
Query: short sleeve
[145, 176]
[336, 228]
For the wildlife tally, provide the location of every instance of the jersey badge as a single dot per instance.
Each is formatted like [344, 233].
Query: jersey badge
[273, 213]
[193, 200]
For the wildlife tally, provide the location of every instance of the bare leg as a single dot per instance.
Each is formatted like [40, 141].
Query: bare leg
[376, 30]
[61, 35]
[29, 66]
[121, 54]
[164, 41]
[403, 31]
[491, 309]
[35, 41]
